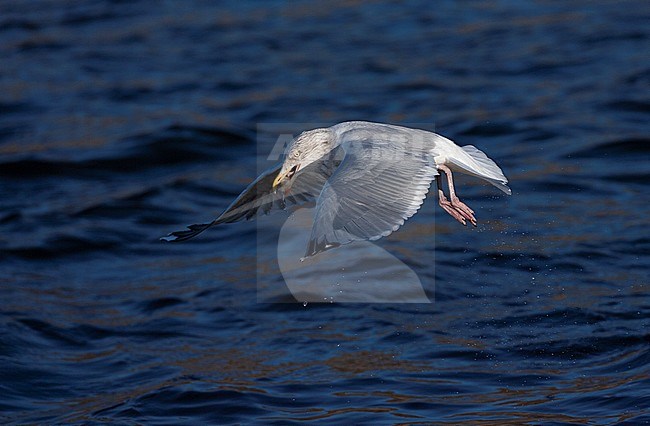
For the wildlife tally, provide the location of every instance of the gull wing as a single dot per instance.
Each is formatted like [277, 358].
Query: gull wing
[261, 197]
[382, 181]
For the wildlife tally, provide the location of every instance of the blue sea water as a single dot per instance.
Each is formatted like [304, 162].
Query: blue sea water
[123, 121]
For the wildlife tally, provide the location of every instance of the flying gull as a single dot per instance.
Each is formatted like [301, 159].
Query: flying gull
[365, 178]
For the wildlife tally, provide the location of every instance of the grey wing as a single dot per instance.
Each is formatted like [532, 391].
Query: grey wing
[381, 182]
[261, 197]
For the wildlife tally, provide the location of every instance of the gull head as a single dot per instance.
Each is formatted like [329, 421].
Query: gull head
[302, 151]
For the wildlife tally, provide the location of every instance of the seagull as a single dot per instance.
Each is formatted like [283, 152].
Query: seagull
[365, 179]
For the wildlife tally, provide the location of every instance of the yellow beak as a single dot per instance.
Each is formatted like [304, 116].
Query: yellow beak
[287, 175]
[278, 179]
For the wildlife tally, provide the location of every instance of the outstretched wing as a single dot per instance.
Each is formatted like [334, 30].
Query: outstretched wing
[261, 197]
[382, 181]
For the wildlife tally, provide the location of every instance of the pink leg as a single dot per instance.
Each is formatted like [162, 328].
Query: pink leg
[461, 211]
[446, 204]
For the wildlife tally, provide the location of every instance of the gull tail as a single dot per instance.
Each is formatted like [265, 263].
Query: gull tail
[480, 165]
[191, 232]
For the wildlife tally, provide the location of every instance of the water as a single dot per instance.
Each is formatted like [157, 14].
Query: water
[123, 121]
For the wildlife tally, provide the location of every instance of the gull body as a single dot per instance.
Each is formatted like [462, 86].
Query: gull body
[365, 178]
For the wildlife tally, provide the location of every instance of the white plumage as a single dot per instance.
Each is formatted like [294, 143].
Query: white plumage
[366, 179]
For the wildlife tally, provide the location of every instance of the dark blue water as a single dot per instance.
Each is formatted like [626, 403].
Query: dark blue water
[123, 121]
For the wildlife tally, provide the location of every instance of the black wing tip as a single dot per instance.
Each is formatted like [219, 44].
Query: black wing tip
[191, 232]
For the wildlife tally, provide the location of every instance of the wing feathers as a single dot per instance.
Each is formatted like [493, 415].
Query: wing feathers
[260, 197]
[381, 182]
